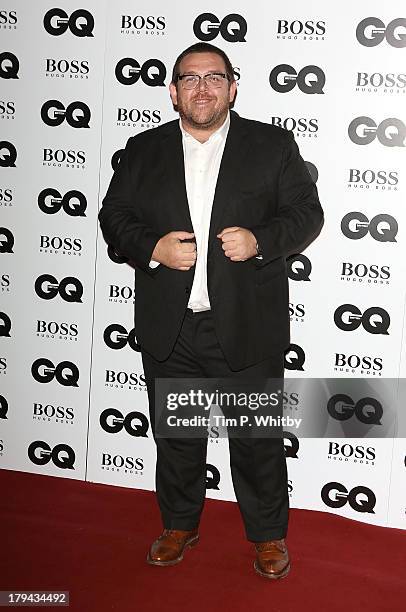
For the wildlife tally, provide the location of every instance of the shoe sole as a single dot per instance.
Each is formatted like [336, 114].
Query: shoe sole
[190, 544]
[282, 574]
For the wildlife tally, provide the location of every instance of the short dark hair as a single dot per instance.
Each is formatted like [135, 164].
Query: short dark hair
[203, 47]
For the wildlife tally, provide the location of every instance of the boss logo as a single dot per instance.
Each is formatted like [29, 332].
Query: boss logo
[76, 68]
[307, 28]
[48, 411]
[56, 243]
[153, 72]
[61, 455]
[212, 477]
[371, 31]
[3, 365]
[390, 132]
[80, 22]
[358, 272]
[70, 288]
[364, 364]
[52, 329]
[116, 337]
[3, 407]
[367, 409]
[135, 423]
[65, 373]
[383, 228]
[74, 203]
[119, 379]
[7, 109]
[233, 27]
[291, 444]
[5, 282]
[59, 156]
[365, 178]
[310, 79]
[77, 114]
[295, 358]
[374, 320]
[296, 311]
[299, 267]
[121, 294]
[150, 23]
[8, 18]
[361, 499]
[6, 240]
[6, 196]
[8, 154]
[358, 453]
[116, 462]
[134, 115]
[116, 257]
[300, 126]
[5, 325]
[377, 80]
[9, 65]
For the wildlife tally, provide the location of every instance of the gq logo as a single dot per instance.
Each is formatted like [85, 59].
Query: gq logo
[299, 267]
[356, 225]
[9, 65]
[390, 132]
[291, 444]
[74, 203]
[8, 154]
[367, 410]
[6, 240]
[3, 407]
[112, 421]
[5, 325]
[294, 358]
[77, 114]
[70, 288]
[116, 337]
[374, 320]
[212, 477]
[65, 373]
[153, 72]
[80, 23]
[62, 455]
[310, 79]
[233, 28]
[371, 31]
[361, 499]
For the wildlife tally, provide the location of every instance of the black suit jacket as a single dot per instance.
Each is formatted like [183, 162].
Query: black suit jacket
[263, 185]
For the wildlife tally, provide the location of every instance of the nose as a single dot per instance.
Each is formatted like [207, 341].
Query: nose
[202, 84]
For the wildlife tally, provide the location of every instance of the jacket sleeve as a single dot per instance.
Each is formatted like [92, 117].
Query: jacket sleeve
[119, 218]
[300, 216]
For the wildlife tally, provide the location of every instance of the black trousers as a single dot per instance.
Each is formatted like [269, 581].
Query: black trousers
[258, 465]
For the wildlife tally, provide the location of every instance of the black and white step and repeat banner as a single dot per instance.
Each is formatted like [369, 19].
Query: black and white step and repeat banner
[76, 80]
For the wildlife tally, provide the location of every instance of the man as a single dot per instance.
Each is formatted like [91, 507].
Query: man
[208, 207]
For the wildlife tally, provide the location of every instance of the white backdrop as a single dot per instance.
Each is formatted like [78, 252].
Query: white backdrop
[69, 99]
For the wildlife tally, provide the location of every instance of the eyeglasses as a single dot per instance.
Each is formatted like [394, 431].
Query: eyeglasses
[213, 80]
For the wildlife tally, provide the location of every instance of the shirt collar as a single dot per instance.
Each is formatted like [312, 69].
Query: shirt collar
[221, 132]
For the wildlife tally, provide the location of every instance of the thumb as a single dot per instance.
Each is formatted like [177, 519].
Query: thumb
[181, 235]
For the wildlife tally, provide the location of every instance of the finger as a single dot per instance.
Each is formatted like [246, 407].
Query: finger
[231, 237]
[232, 253]
[181, 235]
[188, 247]
[227, 230]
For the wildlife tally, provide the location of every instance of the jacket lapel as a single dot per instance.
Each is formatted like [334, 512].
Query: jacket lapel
[235, 151]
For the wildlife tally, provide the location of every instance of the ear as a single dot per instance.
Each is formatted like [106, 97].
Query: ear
[233, 91]
[173, 93]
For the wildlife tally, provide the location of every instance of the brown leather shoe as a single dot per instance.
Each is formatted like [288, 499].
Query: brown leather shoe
[272, 559]
[168, 549]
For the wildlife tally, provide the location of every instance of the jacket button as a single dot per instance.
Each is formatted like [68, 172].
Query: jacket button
[187, 290]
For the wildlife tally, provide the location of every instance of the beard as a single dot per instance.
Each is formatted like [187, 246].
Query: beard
[203, 116]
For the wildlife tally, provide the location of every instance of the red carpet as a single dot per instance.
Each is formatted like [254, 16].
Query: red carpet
[91, 540]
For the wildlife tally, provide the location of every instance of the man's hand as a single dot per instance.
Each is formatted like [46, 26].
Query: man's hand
[239, 243]
[173, 253]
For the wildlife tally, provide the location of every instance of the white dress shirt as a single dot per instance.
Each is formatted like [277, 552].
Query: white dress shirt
[202, 164]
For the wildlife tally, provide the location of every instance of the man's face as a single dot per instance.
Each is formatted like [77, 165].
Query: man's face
[203, 107]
